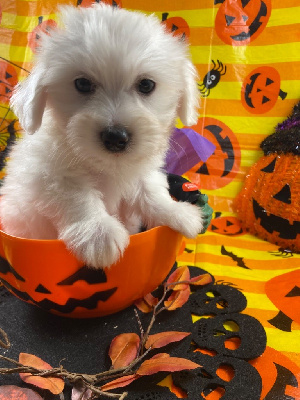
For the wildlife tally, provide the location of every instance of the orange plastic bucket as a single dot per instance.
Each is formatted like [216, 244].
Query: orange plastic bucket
[45, 273]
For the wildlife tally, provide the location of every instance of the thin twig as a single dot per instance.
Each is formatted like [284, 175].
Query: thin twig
[11, 360]
[100, 392]
[90, 381]
[4, 343]
[139, 323]
[155, 312]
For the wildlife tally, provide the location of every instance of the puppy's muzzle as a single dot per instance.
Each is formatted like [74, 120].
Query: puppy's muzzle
[115, 138]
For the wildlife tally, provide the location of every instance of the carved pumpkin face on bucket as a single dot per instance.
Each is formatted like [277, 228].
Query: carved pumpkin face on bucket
[269, 203]
[44, 273]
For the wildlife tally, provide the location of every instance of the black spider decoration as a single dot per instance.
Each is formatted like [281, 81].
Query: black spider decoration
[281, 252]
[212, 78]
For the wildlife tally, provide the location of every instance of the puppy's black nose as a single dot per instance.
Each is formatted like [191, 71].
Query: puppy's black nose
[115, 138]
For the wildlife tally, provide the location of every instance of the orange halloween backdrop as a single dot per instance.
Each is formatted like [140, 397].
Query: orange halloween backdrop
[247, 53]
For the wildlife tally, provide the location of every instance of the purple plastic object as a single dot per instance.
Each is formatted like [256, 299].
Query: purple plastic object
[187, 148]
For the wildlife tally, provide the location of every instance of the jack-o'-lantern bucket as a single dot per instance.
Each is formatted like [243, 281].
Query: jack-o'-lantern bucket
[45, 273]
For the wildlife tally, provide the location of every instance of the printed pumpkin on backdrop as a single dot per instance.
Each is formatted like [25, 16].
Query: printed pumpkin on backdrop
[177, 25]
[223, 165]
[280, 376]
[284, 292]
[8, 79]
[88, 3]
[44, 26]
[228, 225]
[261, 89]
[269, 203]
[239, 22]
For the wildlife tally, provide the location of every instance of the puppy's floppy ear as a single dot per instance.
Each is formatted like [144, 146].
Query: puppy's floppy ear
[189, 103]
[29, 100]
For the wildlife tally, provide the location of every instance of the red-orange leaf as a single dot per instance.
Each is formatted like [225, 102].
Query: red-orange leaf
[55, 385]
[178, 299]
[123, 349]
[169, 364]
[143, 306]
[11, 392]
[179, 275]
[160, 355]
[201, 280]
[147, 303]
[151, 300]
[163, 338]
[119, 382]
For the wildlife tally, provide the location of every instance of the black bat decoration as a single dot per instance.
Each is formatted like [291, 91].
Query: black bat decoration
[239, 260]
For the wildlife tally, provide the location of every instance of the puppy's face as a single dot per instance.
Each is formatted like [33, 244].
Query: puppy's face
[115, 82]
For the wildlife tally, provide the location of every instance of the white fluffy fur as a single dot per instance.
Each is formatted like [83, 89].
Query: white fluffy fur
[61, 182]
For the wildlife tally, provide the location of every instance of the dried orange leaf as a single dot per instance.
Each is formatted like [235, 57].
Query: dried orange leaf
[181, 274]
[143, 306]
[201, 280]
[31, 360]
[147, 303]
[123, 349]
[163, 338]
[177, 299]
[160, 355]
[151, 300]
[169, 364]
[119, 382]
[11, 392]
[55, 385]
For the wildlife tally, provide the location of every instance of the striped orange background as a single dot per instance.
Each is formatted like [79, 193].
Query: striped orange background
[276, 46]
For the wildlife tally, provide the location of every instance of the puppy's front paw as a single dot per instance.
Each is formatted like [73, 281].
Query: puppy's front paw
[99, 246]
[113, 241]
[187, 219]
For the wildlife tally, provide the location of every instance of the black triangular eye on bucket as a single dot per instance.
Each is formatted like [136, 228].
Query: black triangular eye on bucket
[42, 289]
[284, 194]
[270, 167]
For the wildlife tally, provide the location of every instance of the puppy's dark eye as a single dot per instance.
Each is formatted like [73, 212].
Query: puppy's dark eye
[84, 85]
[146, 86]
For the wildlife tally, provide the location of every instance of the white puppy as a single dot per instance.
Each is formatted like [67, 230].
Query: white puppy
[102, 100]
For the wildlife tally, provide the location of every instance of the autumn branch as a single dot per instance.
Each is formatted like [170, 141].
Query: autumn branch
[128, 352]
